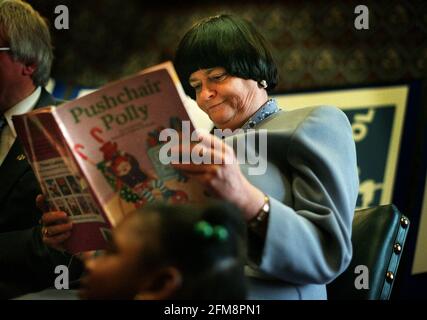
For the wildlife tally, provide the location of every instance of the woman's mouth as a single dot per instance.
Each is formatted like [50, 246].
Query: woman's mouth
[215, 106]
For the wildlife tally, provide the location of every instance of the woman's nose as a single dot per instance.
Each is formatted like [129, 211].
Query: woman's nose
[207, 92]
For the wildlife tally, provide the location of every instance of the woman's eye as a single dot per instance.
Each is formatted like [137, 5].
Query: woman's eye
[195, 86]
[219, 77]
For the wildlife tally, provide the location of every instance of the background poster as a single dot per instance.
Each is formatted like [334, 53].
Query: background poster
[376, 116]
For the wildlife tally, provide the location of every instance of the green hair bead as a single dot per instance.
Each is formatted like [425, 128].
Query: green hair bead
[204, 228]
[207, 231]
[220, 233]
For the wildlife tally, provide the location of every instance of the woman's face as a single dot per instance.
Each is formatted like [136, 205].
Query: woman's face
[229, 101]
[118, 273]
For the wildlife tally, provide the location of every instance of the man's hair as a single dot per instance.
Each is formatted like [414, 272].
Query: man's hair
[212, 268]
[27, 34]
[225, 41]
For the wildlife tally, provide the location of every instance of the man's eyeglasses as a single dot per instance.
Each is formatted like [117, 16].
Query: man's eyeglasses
[4, 48]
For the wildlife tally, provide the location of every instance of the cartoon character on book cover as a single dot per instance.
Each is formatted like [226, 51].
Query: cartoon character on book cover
[135, 185]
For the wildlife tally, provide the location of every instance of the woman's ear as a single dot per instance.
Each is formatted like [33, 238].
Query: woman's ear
[160, 285]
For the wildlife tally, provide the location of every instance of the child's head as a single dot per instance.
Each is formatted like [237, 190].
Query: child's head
[179, 252]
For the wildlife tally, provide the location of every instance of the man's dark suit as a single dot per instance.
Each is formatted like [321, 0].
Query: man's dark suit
[26, 264]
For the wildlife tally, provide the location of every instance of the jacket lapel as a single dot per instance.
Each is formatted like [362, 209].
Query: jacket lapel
[15, 164]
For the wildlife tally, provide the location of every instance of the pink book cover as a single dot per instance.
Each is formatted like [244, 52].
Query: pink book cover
[113, 134]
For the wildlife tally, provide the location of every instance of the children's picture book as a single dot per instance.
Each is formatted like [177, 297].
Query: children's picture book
[97, 157]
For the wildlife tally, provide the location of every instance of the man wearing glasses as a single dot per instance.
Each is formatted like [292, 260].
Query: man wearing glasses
[25, 62]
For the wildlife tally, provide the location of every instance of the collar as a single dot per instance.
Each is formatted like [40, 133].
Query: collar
[21, 107]
[268, 109]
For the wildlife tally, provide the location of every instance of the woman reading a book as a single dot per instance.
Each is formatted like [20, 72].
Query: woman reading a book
[299, 212]
[171, 252]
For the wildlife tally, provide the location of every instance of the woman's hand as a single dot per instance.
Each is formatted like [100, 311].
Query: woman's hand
[222, 179]
[56, 226]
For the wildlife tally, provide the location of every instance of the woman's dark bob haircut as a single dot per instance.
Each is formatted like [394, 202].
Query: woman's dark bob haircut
[225, 41]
